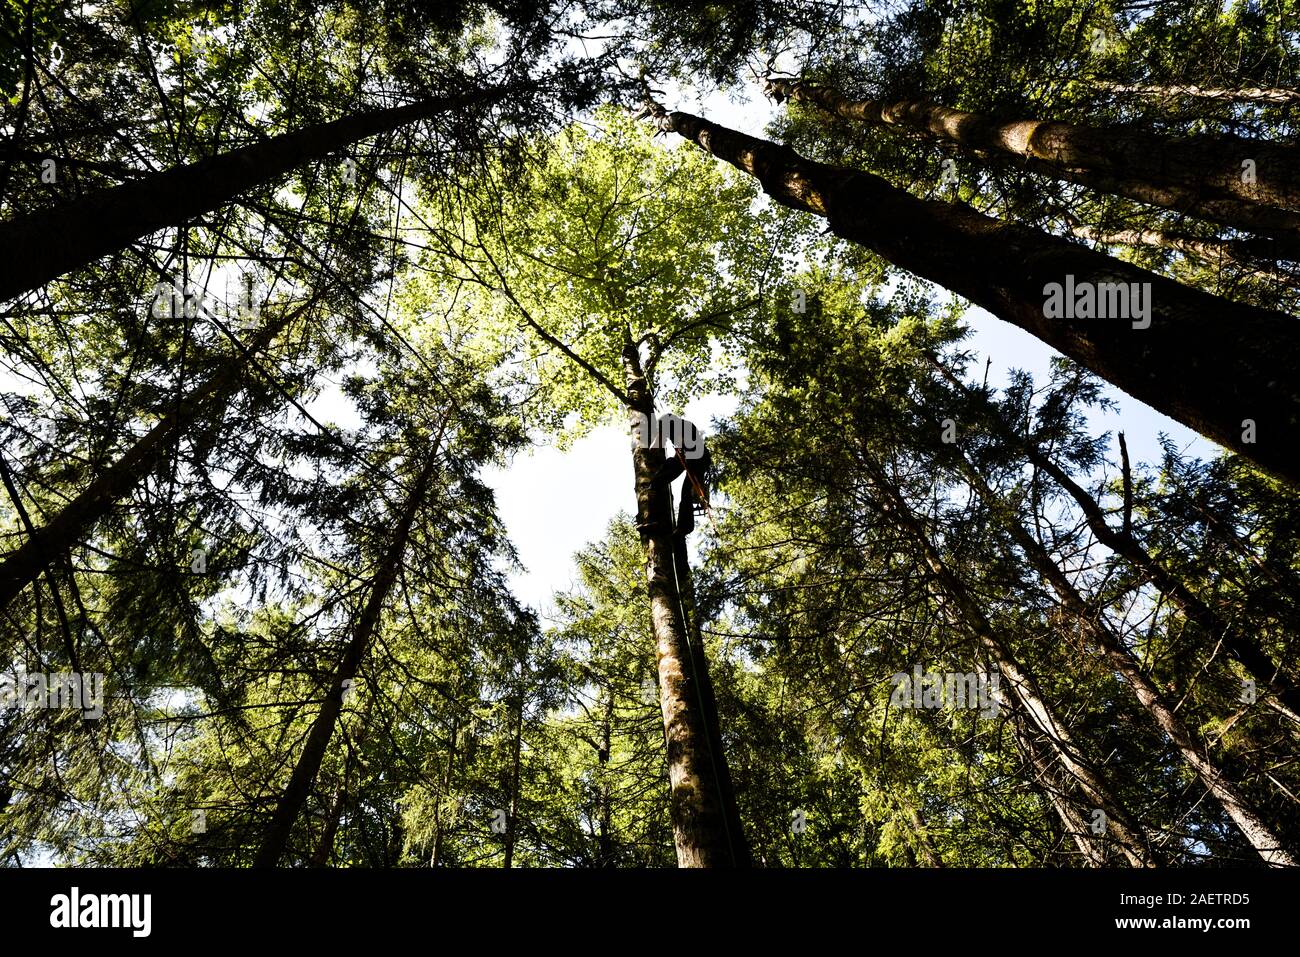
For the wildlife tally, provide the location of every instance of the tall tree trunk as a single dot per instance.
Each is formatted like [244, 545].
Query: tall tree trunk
[325, 847]
[1022, 689]
[1256, 661]
[42, 246]
[304, 773]
[605, 838]
[75, 520]
[695, 803]
[436, 856]
[334, 813]
[1202, 176]
[1071, 816]
[1205, 361]
[1247, 254]
[709, 703]
[920, 832]
[1275, 95]
[515, 751]
[1235, 803]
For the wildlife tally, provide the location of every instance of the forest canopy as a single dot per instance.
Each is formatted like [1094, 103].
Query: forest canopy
[287, 287]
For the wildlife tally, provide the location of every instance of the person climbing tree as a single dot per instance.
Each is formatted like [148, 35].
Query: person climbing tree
[692, 457]
[638, 356]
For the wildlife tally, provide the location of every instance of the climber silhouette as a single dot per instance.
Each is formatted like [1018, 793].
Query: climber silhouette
[691, 456]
